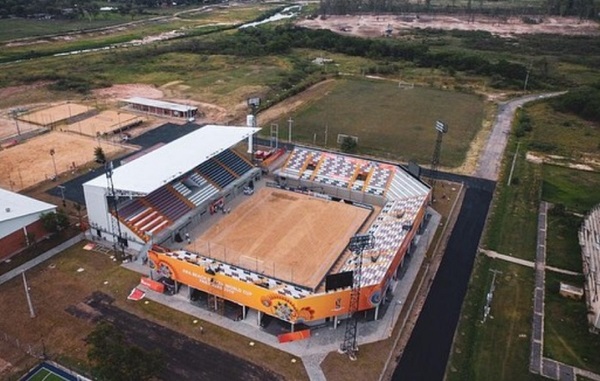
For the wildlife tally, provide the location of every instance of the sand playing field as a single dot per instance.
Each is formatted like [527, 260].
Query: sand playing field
[30, 162]
[294, 237]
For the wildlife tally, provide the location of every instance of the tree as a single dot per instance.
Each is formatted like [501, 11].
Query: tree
[99, 154]
[349, 145]
[54, 222]
[113, 359]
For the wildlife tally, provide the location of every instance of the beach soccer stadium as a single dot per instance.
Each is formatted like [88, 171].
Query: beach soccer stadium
[216, 227]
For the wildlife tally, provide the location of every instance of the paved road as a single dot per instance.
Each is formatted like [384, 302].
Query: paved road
[426, 353]
[488, 166]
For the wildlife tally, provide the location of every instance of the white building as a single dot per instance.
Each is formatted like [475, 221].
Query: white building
[171, 187]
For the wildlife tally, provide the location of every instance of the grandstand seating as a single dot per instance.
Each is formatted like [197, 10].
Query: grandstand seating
[234, 162]
[216, 173]
[167, 204]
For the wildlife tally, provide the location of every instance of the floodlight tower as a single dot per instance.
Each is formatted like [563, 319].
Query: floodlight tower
[441, 128]
[358, 244]
[118, 241]
[253, 103]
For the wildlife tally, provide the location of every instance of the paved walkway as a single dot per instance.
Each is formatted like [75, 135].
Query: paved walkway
[323, 340]
[539, 364]
[488, 166]
[524, 262]
[36, 261]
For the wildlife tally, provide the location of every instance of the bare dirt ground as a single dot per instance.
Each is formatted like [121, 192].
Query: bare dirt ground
[117, 92]
[373, 25]
[298, 237]
[30, 162]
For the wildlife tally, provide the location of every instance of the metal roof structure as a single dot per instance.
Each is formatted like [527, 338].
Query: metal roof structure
[14, 205]
[160, 104]
[161, 166]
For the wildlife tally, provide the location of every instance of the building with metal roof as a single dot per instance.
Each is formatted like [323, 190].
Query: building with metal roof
[161, 108]
[20, 221]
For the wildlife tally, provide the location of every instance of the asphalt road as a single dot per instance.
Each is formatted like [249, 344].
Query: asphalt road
[427, 350]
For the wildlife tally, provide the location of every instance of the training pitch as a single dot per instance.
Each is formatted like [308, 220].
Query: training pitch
[105, 123]
[294, 237]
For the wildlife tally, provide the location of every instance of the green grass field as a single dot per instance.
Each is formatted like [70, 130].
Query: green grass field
[563, 250]
[513, 223]
[566, 335]
[389, 121]
[576, 190]
[497, 349]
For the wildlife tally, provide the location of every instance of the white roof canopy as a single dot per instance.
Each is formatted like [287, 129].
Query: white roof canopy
[160, 104]
[14, 205]
[153, 170]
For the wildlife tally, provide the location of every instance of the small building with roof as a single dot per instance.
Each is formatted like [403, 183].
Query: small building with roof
[161, 108]
[20, 221]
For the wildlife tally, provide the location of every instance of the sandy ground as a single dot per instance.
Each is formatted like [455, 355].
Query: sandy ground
[117, 92]
[55, 113]
[29, 163]
[372, 26]
[105, 122]
[8, 127]
[300, 236]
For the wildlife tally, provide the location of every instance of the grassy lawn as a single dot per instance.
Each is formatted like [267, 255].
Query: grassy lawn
[512, 223]
[18, 28]
[563, 250]
[576, 190]
[391, 122]
[566, 134]
[57, 284]
[497, 349]
[566, 335]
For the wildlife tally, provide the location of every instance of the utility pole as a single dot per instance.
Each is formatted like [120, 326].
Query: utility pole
[31, 311]
[326, 130]
[527, 77]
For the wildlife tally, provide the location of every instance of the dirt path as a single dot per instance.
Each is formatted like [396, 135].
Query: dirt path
[284, 108]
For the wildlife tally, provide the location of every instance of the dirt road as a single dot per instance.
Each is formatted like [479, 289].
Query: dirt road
[488, 166]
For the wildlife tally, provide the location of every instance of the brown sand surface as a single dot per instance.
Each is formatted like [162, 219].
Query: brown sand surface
[105, 122]
[294, 237]
[55, 113]
[30, 162]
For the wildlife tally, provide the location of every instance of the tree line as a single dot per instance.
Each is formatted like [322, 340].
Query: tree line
[72, 9]
[587, 9]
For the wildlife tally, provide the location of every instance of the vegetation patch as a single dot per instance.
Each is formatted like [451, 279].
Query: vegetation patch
[566, 335]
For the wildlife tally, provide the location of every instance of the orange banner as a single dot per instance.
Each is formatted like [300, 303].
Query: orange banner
[295, 310]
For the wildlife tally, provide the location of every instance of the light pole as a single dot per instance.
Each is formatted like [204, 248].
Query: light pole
[15, 115]
[52, 152]
[290, 121]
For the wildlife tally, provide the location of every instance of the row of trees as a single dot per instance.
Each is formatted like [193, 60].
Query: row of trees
[282, 39]
[583, 102]
[581, 8]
